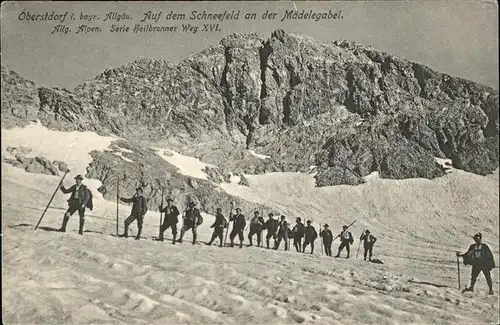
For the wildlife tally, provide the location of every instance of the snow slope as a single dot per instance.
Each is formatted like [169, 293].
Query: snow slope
[55, 278]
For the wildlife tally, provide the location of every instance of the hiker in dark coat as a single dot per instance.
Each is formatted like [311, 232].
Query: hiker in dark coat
[239, 224]
[282, 233]
[346, 241]
[271, 226]
[256, 225]
[368, 242]
[78, 200]
[139, 209]
[171, 219]
[310, 237]
[298, 232]
[327, 236]
[480, 257]
[219, 225]
[191, 220]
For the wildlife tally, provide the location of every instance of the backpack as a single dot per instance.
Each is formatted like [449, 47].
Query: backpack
[90, 203]
[200, 219]
[301, 230]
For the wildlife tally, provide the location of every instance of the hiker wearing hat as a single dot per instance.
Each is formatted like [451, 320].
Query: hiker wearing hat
[219, 225]
[239, 224]
[272, 226]
[480, 257]
[256, 225]
[282, 233]
[310, 237]
[327, 236]
[191, 220]
[79, 199]
[368, 242]
[139, 209]
[298, 232]
[171, 219]
[346, 241]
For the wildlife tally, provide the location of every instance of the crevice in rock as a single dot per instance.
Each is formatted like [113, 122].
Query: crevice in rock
[420, 76]
[226, 91]
[264, 53]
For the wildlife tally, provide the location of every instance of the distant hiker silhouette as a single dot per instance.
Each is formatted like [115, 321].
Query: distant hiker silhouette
[480, 257]
[171, 219]
[368, 242]
[139, 209]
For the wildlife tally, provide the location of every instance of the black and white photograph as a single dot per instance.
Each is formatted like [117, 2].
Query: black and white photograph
[250, 162]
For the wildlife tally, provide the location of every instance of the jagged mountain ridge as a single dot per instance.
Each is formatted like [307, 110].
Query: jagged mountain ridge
[344, 107]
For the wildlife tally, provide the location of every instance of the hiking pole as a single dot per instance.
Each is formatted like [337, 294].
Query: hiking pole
[227, 231]
[117, 202]
[346, 229]
[161, 213]
[458, 265]
[60, 183]
[360, 244]
[321, 239]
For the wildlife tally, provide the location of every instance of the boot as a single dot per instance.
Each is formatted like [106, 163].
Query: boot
[65, 222]
[125, 231]
[173, 241]
[138, 234]
[251, 243]
[160, 238]
[194, 239]
[182, 235]
[267, 243]
[80, 229]
[469, 289]
[241, 244]
[491, 292]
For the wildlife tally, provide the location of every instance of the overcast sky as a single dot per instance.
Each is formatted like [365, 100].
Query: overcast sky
[456, 37]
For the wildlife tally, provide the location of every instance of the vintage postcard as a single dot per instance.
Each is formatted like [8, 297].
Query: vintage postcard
[237, 162]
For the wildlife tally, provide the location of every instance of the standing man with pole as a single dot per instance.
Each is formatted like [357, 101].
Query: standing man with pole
[346, 241]
[80, 196]
[50, 201]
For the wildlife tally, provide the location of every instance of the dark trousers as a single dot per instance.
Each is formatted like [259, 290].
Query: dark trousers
[297, 243]
[346, 244]
[73, 207]
[218, 232]
[169, 224]
[185, 228]
[368, 251]
[232, 235]
[328, 248]
[282, 236]
[253, 232]
[131, 219]
[475, 272]
[308, 241]
[270, 234]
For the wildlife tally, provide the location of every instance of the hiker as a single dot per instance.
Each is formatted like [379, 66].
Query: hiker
[171, 219]
[327, 236]
[480, 257]
[310, 237]
[139, 209]
[282, 233]
[256, 225]
[272, 226]
[219, 224]
[345, 241]
[368, 242]
[239, 224]
[191, 220]
[79, 199]
[298, 232]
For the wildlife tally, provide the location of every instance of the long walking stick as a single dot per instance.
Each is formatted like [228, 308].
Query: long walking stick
[161, 213]
[227, 231]
[346, 229]
[458, 265]
[360, 244]
[51, 200]
[321, 239]
[117, 202]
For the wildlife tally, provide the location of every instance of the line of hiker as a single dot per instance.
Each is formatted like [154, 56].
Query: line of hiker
[478, 255]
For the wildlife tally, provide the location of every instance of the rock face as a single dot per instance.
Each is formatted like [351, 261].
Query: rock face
[153, 174]
[346, 108]
[39, 165]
